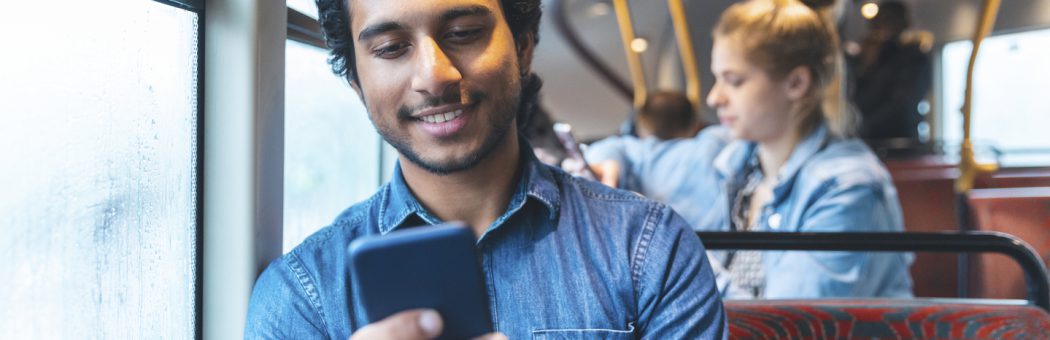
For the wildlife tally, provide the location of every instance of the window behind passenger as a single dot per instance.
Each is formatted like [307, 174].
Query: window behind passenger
[98, 146]
[1009, 96]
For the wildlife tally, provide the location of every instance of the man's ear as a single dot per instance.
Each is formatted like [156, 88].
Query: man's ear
[798, 82]
[526, 45]
[356, 87]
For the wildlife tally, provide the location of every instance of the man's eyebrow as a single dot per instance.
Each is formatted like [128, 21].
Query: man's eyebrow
[451, 14]
[378, 29]
[454, 13]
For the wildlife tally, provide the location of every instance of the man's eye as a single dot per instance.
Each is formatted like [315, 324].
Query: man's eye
[463, 35]
[390, 51]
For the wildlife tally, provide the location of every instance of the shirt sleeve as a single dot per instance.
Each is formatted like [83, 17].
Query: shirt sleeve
[677, 294]
[612, 148]
[280, 308]
[618, 149]
[817, 274]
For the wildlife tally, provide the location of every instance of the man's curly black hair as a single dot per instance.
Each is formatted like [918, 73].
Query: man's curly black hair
[523, 17]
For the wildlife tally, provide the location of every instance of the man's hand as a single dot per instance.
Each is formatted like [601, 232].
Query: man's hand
[417, 324]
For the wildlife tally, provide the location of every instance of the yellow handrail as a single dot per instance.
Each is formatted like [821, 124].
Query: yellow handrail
[693, 89]
[634, 62]
[968, 166]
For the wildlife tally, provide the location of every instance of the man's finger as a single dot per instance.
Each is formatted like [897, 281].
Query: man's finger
[492, 336]
[418, 324]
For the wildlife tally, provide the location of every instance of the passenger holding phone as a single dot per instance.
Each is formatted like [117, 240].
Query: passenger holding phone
[670, 159]
[446, 82]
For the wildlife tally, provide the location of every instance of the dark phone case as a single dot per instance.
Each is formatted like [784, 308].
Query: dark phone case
[423, 267]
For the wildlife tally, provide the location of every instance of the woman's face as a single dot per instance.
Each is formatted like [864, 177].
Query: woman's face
[751, 104]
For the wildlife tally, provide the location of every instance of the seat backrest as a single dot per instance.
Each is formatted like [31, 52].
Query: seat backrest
[883, 319]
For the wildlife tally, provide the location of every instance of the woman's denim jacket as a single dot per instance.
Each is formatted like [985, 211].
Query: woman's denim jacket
[828, 184]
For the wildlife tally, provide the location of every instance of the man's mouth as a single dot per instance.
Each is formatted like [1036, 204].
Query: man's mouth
[443, 121]
[440, 117]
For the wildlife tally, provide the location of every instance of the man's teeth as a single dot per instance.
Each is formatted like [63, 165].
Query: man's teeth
[442, 117]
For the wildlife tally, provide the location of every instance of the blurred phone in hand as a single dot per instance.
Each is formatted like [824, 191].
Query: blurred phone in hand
[574, 163]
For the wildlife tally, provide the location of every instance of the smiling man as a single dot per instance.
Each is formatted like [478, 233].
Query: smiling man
[446, 82]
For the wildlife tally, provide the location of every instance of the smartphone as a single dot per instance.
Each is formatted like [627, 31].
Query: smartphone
[572, 149]
[423, 267]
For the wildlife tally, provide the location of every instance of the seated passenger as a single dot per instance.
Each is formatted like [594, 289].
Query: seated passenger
[792, 168]
[664, 163]
[445, 82]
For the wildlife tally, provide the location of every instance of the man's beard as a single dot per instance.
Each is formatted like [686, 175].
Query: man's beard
[503, 119]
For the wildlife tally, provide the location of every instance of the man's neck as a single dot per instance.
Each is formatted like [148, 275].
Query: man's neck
[476, 196]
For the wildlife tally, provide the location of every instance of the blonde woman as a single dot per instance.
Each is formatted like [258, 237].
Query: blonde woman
[792, 167]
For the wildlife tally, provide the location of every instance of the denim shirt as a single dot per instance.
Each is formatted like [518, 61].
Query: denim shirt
[828, 184]
[569, 258]
[667, 170]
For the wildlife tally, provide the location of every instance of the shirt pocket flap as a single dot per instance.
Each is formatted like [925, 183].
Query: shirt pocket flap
[583, 333]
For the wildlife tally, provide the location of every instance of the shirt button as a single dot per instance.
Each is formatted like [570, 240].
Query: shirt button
[774, 221]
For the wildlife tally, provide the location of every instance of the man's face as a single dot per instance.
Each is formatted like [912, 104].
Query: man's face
[440, 78]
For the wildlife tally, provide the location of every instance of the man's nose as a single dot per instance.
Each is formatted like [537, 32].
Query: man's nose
[435, 72]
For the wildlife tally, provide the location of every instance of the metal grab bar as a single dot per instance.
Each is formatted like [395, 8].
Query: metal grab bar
[1035, 271]
[561, 22]
[968, 166]
[686, 53]
[634, 61]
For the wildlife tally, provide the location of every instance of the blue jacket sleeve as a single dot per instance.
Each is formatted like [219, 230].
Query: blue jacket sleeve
[609, 149]
[821, 274]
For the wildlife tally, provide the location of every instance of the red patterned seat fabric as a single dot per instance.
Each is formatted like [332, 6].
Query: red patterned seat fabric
[883, 319]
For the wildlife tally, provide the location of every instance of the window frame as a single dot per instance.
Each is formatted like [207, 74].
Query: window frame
[304, 29]
[242, 151]
[197, 7]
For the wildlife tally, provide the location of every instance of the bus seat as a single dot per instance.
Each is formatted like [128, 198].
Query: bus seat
[1014, 178]
[926, 190]
[1022, 212]
[884, 319]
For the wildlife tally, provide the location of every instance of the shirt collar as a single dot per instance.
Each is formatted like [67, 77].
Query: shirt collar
[733, 158]
[814, 142]
[537, 181]
[732, 161]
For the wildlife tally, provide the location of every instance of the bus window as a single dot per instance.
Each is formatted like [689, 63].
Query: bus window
[331, 150]
[1011, 78]
[98, 141]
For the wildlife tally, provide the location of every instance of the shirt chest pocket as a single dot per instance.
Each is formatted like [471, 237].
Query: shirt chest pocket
[584, 333]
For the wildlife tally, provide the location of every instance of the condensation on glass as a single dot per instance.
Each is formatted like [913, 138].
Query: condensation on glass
[1009, 96]
[97, 146]
[331, 151]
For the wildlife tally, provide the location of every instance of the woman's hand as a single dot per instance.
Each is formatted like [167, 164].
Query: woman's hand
[607, 172]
